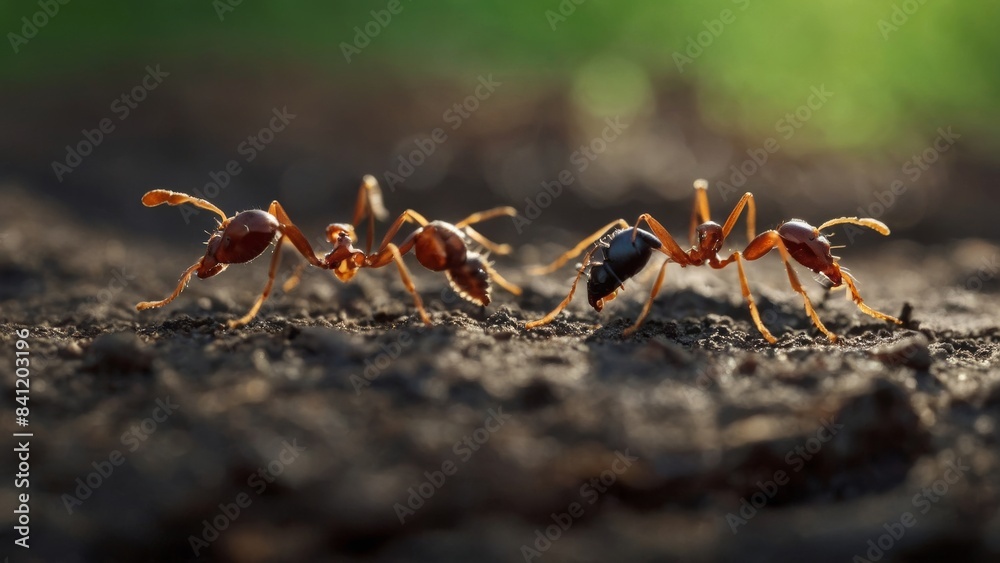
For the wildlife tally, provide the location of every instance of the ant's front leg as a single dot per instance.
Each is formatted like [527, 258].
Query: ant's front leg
[762, 245]
[181, 284]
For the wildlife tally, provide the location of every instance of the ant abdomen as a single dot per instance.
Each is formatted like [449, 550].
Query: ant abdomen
[622, 259]
[471, 280]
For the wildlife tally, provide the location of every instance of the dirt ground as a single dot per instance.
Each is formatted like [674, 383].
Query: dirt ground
[337, 427]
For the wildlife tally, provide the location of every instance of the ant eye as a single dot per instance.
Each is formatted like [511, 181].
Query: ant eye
[227, 241]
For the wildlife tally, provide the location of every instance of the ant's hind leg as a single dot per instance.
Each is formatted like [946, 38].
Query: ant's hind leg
[404, 274]
[576, 250]
[293, 280]
[745, 288]
[481, 216]
[649, 302]
[555, 312]
[181, 284]
[501, 249]
[501, 281]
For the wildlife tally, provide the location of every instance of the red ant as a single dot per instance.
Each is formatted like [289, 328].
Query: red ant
[438, 246]
[629, 249]
[236, 240]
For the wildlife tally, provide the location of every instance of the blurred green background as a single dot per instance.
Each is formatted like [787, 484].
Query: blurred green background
[699, 82]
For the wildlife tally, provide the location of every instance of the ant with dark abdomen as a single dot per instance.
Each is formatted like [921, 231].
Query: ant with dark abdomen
[629, 249]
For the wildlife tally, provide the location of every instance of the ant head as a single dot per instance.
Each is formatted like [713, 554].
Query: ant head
[811, 249]
[209, 264]
[336, 231]
[709, 238]
[344, 259]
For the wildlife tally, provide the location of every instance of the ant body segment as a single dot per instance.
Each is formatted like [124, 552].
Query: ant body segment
[629, 249]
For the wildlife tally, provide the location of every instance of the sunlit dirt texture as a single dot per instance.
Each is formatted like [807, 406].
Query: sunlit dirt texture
[712, 414]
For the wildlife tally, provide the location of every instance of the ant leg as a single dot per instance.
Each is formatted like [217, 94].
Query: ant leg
[501, 249]
[699, 213]
[649, 302]
[408, 216]
[576, 250]
[404, 274]
[294, 235]
[673, 250]
[511, 288]
[272, 271]
[293, 280]
[369, 203]
[555, 312]
[875, 225]
[745, 288]
[153, 198]
[181, 284]
[761, 246]
[481, 216]
[856, 297]
[745, 201]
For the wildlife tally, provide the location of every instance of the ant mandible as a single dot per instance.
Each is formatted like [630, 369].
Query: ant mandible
[246, 235]
[629, 249]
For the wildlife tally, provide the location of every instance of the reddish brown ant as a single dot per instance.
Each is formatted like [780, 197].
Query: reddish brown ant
[238, 239]
[629, 249]
[247, 235]
[438, 246]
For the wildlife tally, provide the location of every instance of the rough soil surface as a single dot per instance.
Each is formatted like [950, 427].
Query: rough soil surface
[834, 442]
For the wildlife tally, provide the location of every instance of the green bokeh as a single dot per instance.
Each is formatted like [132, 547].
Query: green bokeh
[892, 87]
